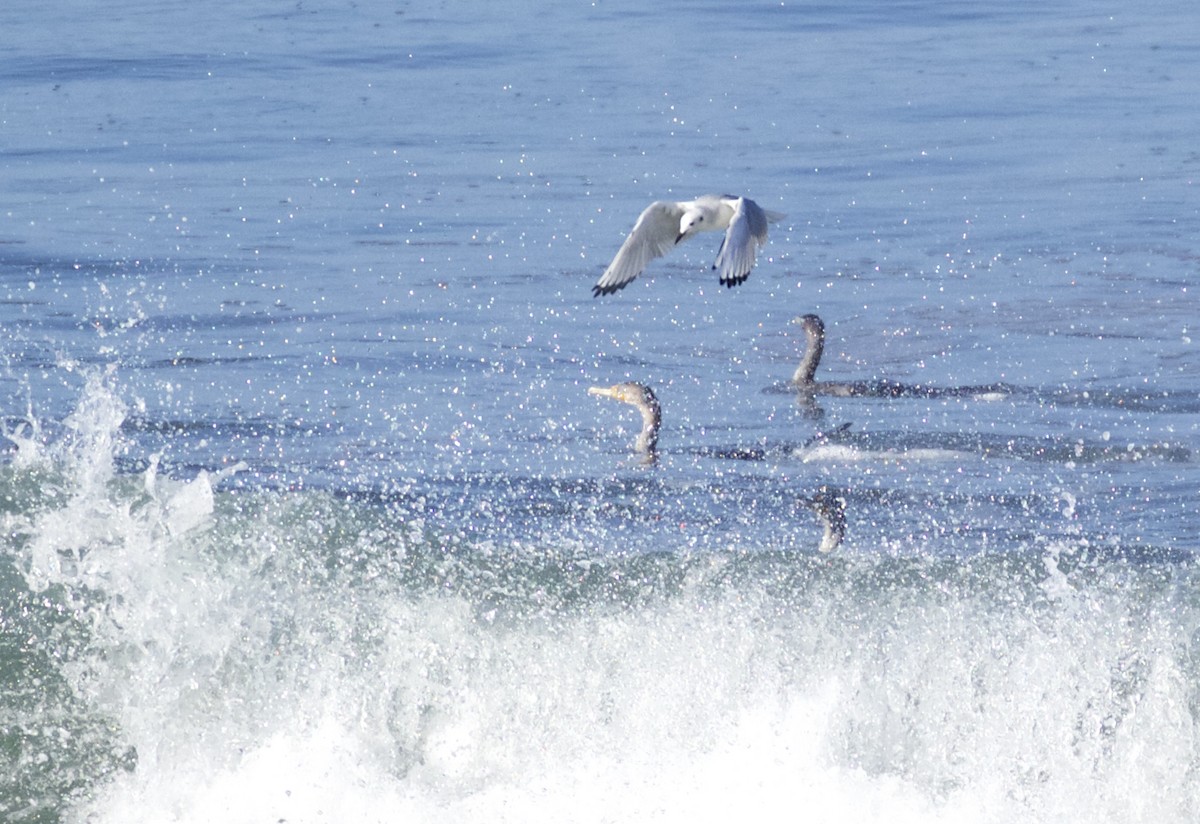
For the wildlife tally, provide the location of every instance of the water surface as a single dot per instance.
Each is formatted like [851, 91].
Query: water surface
[309, 514]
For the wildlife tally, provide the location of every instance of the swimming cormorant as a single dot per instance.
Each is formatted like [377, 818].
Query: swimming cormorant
[642, 397]
[831, 509]
[804, 378]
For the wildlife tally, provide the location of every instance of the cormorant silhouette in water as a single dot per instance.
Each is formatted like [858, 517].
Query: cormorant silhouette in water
[804, 378]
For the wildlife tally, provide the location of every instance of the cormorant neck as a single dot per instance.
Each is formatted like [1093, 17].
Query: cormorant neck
[814, 333]
[644, 400]
[647, 441]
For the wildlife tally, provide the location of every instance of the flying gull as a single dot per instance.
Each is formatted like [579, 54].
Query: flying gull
[664, 223]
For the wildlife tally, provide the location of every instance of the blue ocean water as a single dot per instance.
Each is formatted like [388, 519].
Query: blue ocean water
[308, 514]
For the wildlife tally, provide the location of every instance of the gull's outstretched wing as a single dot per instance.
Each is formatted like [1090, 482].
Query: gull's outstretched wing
[652, 237]
[746, 233]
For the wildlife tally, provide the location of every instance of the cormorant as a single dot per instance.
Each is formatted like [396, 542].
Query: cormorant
[642, 397]
[831, 509]
[804, 378]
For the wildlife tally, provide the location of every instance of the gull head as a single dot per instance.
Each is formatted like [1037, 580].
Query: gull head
[691, 222]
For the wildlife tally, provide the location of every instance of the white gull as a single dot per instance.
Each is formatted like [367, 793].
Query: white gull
[664, 223]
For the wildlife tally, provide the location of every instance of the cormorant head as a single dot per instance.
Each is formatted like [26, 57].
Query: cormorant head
[813, 325]
[642, 397]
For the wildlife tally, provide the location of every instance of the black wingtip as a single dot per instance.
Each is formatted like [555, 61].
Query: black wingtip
[599, 290]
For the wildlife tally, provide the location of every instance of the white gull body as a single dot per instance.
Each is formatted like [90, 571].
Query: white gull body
[664, 223]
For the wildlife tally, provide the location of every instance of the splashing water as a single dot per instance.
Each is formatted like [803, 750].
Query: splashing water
[308, 657]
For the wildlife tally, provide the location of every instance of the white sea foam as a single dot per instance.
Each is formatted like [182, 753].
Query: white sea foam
[847, 453]
[692, 714]
[255, 681]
